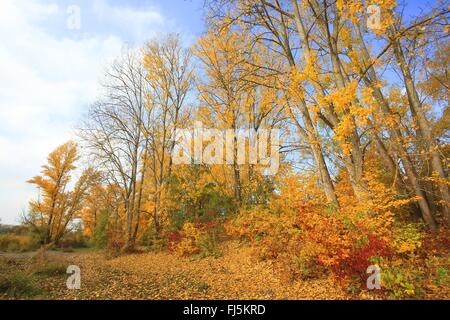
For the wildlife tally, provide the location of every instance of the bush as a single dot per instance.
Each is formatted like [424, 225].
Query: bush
[209, 244]
[173, 239]
[18, 285]
[192, 197]
[17, 243]
[73, 240]
[399, 279]
[189, 242]
[154, 242]
[307, 237]
[100, 234]
[197, 239]
[408, 237]
[114, 247]
[51, 269]
[297, 266]
[271, 232]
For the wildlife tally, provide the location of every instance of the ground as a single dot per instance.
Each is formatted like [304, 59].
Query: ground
[237, 274]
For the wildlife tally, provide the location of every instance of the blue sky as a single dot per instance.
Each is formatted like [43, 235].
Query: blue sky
[49, 73]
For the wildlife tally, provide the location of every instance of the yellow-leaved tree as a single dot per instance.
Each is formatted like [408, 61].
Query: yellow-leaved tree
[57, 206]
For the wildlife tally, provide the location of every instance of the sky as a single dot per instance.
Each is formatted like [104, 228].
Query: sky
[52, 56]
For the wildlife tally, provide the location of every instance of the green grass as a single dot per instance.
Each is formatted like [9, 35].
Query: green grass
[202, 287]
[86, 250]
[51, 269]
[18, 285]
[78, 250]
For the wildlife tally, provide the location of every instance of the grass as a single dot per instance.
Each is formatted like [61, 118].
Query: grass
[202, 286]
[51, 269]
[21, 280]
[86, 250]
[18, 285]
[16, 243]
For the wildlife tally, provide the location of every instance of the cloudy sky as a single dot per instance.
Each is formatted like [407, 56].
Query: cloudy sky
[49, 69]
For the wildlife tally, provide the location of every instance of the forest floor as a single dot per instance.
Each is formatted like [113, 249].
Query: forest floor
[236, 274]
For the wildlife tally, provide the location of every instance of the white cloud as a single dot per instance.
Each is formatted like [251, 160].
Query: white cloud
[47, 80]
[138, 24]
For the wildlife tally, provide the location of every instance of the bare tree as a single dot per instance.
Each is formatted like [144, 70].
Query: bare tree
[116, 133]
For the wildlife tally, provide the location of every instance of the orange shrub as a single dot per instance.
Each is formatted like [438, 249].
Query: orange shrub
[17, 243]
[299, 228]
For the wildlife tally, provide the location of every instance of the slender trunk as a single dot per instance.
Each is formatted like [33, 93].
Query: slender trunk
[311, 133]
[129, 221]
[423, 125]
[396, 135]
[141, 187]
[423, 203]
[236, 170]
[324, 175]
[155, 213]
[354, 161]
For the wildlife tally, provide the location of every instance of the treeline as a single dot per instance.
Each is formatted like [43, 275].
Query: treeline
[364, 119]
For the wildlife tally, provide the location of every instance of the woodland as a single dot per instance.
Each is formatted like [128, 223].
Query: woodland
[359, 93]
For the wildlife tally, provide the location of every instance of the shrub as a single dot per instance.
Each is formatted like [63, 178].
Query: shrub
[17, 243]
[269, 231]
[100, 234]
[18, 285]
[355, 265]
[73, 240]
[400, 279]
[152, 241]
[173, 239]
[438, 271]
[114, 247]
[197, 239]
[209, 244]
[50, 269]
[308, 237]
[408, 237]
[346, 241]
[299, 266]
[189, 242]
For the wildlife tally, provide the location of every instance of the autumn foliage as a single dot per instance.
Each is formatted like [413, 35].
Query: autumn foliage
[363, 172]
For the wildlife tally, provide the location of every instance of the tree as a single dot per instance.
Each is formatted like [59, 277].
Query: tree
[237, 94]
[335, 88]
[116, 134]
[129, 132]
[57, 206]
[169, 73]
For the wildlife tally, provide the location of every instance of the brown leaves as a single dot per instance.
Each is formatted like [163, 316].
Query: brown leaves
[236, 275]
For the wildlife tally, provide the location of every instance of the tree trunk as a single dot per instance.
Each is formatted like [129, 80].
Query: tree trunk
[423, 125]
[397, 137]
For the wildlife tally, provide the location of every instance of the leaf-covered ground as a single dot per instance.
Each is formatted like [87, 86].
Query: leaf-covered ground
[234, 275]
